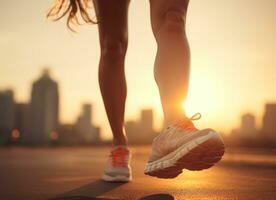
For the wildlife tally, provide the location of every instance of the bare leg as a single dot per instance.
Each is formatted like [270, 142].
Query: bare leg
[112, 17]
[172, 63]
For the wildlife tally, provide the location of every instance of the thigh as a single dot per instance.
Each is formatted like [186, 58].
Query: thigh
[160, 8]
[112, 18]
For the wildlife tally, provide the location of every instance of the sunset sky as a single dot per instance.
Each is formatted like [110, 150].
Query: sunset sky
[233, 70]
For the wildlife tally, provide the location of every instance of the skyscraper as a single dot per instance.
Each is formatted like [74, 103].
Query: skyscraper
[269, 120]
[141, 132]
[22, 120]
[44, 109]
[6, 115]
[133, 132]
[146, 119]
[89, 132]
[248, 127]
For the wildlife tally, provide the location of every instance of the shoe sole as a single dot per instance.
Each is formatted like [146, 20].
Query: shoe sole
[118, 178]
[198, 154]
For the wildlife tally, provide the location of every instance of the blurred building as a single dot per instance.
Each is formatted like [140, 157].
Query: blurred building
[133, 130]
[7, 107]
[269, 121]
[85, 126]
[22, 120]
[141, 132]
[146, 120]
[37, 123]
[44, 109]
[68, 135]
[248, 126]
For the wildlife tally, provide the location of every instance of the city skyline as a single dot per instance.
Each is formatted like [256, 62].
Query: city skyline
[37, 120]
[248, 126]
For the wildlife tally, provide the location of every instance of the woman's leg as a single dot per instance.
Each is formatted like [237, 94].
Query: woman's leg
[113, 34]
[181, 145]
[172, 63]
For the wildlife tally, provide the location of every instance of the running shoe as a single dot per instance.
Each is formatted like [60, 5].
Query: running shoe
[182, 146]
[117, 168]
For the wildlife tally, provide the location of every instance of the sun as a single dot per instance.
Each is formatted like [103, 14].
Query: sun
[202, 98]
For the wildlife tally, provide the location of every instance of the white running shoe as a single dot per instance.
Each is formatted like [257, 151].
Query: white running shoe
[117, 168]
[182, 146]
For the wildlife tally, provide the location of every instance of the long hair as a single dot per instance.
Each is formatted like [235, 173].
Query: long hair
[72, 8]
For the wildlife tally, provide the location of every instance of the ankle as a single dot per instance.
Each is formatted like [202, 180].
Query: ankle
[119, 141]
[175, 119]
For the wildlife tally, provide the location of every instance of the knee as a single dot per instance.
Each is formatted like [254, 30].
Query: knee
[174, 21]
[114, 49]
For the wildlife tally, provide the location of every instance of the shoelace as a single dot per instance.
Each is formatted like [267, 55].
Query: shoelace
[187, 124]
[195, 116]
[118, 157]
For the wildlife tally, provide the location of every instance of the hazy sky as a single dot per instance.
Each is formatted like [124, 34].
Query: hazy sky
[233, 44]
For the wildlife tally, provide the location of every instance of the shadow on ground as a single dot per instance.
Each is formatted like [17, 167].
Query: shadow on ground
[158, 197]
[98, 188]
[89, 191]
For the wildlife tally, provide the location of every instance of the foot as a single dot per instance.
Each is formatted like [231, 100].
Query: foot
[117, 168]
[182, 146]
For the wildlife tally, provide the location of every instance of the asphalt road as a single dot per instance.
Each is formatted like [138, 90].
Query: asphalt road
[74, 174]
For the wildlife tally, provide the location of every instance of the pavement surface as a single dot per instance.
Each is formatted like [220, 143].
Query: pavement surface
[74, 174]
